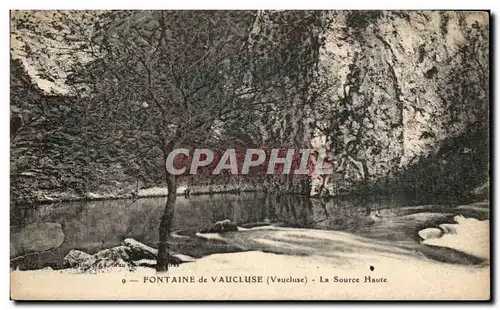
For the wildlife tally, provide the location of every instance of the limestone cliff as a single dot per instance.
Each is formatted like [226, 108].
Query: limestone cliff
[403, 83]
[389, 88]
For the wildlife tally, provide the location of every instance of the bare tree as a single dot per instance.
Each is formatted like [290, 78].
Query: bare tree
[174, 76]
[152, 81]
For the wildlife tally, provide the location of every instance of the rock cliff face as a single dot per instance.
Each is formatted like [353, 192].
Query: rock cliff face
[407, 82]
[391, 88]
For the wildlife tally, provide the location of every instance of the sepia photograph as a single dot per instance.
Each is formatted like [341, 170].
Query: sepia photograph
[227, 155]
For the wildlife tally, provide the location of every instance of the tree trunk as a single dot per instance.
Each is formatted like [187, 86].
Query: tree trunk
[166, 224]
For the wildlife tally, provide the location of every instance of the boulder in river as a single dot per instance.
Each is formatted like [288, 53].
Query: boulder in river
[150, 263]
[144, 255]
[120, 252]
[183, 258]
[132, 254]
[77, 259]
[220, 227]
[449, 228]
[139, 250]
[36, 237]
[103, 263]
[430, 233]
[174, 259]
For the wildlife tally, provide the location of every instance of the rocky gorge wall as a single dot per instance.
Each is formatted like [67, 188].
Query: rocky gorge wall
[392, 89]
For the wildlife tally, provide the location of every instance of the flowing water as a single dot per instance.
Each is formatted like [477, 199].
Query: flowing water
[42, 235]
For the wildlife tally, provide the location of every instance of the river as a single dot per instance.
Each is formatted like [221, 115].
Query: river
[267, 223]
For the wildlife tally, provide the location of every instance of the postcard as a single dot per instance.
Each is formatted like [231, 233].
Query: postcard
[249, 155]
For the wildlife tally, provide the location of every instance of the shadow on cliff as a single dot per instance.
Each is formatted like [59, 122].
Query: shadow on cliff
[457, 172]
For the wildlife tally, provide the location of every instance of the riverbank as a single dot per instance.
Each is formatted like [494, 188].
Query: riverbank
[41, 198]
[157, 191]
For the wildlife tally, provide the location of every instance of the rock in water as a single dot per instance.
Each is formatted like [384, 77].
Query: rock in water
[449, 228]
[183, 258]
[174, 259]
[133, 253]
[430, 233]
[104, 263]
[150, 263]
[139, 250]
[469, 236]
[120, 252]
[78, 259]
[220, 227]
[35, 237]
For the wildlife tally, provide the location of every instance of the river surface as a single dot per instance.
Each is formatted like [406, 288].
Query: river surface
[42, 235]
